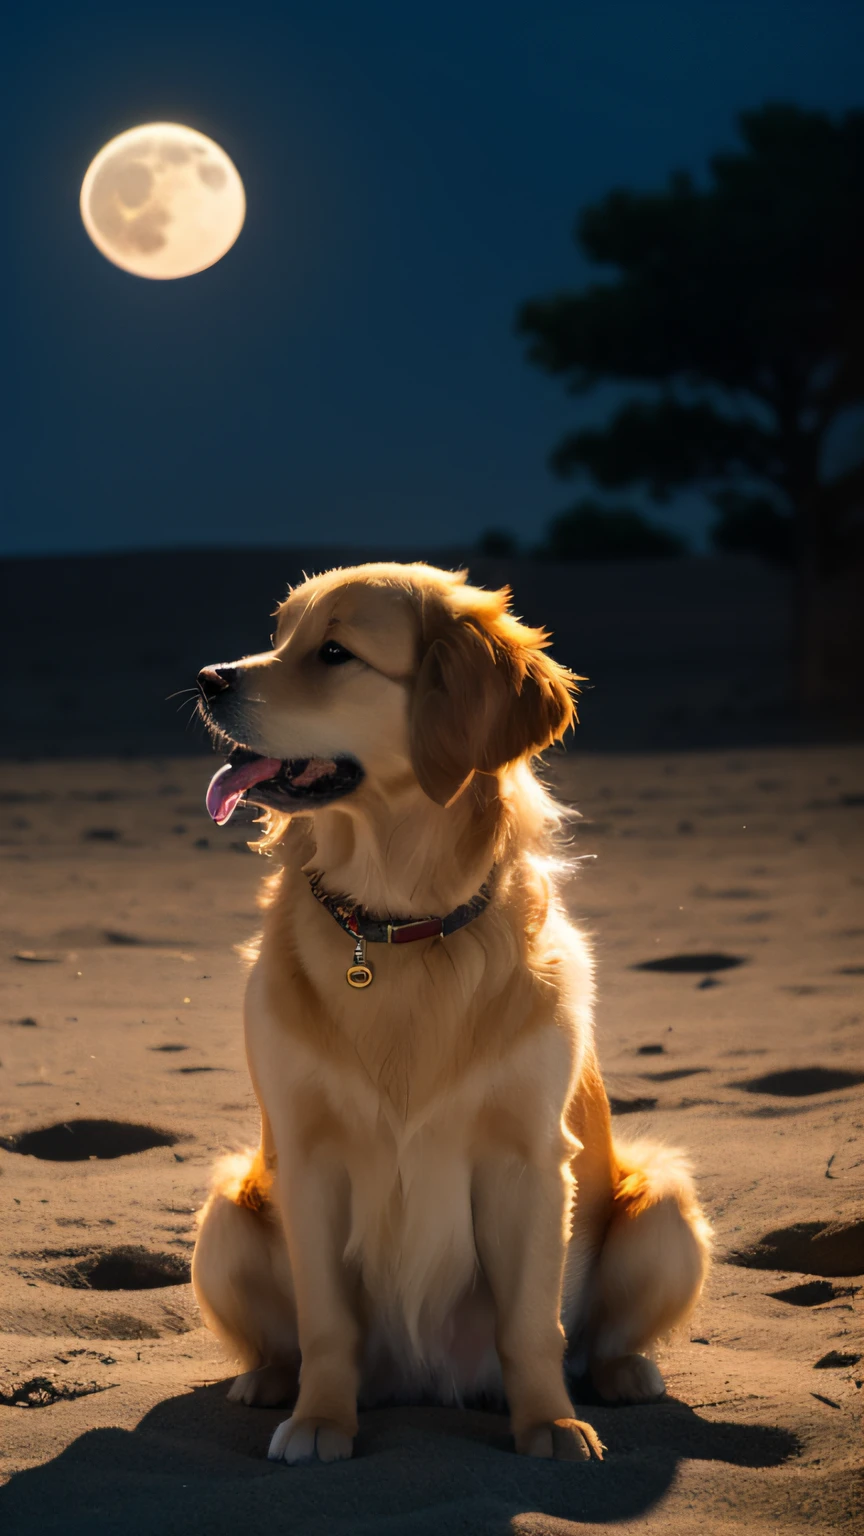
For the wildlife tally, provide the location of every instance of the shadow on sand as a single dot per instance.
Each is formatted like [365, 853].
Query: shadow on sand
[197, 1463]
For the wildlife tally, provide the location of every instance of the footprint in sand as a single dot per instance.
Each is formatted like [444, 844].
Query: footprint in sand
[42, 1391]
[691, 964]
[811, 1247]
[90, 936]
[98, 796]
[634, 1106]
[113, 1269]
[673, 1074]
[801, 1082]
[76, 1141]
[813, 1293]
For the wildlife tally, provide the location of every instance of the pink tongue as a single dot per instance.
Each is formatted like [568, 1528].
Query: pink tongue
[227, 786]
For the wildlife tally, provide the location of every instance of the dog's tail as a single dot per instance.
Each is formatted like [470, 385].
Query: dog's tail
[656, 1251]
[241, 1276]
[244, 1178]
[648, 1172]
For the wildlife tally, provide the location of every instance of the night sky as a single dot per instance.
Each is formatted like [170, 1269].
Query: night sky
[349, 371]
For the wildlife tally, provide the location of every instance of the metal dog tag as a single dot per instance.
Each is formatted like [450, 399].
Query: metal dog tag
[359, 974]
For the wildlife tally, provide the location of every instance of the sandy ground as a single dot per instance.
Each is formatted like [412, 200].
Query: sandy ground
[121, 1007]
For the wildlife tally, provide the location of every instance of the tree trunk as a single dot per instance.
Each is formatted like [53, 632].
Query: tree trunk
[801, 451]
[828, 619]
[809, 639]
[813, 674]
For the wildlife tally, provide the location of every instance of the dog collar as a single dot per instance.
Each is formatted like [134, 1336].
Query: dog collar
[378, 930]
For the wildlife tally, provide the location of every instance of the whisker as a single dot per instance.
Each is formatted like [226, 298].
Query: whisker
[195, 717]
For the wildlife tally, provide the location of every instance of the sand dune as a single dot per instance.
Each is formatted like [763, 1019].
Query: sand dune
[726, 894]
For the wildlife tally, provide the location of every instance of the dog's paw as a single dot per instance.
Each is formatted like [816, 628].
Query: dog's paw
[267, 1387]
[561, 1440]
[631, 1379]
[301, 1441]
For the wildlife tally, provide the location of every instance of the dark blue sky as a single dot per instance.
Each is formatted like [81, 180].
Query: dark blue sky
[349, 371]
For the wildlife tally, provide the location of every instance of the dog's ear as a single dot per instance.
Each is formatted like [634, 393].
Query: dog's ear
[486, 694]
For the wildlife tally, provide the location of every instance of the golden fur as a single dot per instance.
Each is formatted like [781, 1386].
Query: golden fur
[437, 1208]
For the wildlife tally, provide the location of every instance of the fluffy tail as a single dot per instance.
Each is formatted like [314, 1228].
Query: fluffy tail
[655, 1254]
[243, 1178]
[647, 1173]
[241, 1275]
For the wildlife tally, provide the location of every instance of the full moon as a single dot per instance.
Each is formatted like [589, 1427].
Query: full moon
[162, 201]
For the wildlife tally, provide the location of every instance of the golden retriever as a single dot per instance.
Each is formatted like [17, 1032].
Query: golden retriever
[437, 1210]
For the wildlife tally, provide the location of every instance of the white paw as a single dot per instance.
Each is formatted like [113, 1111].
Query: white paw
[267, 1387]
[299, 1441]
[631, 1379]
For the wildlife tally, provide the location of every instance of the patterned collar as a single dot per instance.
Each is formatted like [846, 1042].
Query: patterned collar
[380, 930]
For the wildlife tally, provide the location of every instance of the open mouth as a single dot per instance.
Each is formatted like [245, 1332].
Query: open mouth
[282, 786]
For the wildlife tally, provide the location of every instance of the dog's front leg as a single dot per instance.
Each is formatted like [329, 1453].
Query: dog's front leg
[313, 1199]
[521, 1225]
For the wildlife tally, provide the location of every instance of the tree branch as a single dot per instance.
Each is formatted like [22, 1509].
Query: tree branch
[667, 445]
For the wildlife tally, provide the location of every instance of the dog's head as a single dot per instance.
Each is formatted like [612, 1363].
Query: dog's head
[387, 674]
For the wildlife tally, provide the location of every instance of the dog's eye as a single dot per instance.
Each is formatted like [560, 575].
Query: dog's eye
[335, 655]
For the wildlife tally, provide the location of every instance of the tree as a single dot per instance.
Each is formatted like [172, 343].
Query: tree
[590, 531]
[741, 306]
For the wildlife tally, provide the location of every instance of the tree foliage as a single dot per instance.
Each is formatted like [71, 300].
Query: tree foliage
[591, 531]
[742, 304]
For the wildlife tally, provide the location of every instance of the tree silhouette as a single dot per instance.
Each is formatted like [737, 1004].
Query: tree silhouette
[742, 304]
[591, 531]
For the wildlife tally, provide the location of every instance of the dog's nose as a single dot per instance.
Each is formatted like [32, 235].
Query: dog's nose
[213, 681]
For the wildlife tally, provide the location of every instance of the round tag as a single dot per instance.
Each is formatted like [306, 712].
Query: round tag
[358, 975]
